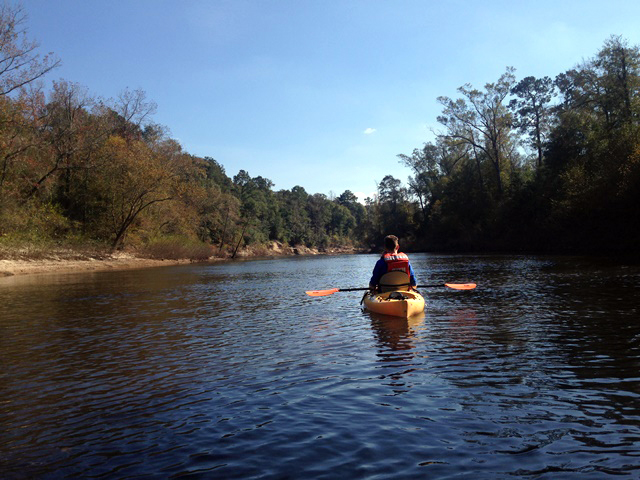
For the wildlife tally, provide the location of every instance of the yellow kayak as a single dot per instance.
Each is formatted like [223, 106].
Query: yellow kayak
[394, 295]
[397, 303]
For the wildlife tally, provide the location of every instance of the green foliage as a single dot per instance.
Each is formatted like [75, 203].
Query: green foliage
[476, 192]
[532, 110]
[176, 247]
[34, 221]
[529, 165]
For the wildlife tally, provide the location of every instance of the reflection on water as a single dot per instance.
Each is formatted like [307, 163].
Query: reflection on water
[230, 371]
[397, 338]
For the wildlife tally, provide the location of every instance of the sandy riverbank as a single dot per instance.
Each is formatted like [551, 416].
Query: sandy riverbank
[69, 262]
[89, 264]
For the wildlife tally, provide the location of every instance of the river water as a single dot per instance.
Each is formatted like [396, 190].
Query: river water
[230, 371]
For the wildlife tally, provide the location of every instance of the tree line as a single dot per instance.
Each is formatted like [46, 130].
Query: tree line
[537, 165]
[75, 169]
[532, 165]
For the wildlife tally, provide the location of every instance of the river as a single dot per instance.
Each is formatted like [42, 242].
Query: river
[230, 371]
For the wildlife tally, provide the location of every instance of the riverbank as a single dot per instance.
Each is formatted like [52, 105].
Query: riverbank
[71, 261]
[119, 261]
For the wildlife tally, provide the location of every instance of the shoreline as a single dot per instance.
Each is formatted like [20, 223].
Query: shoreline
[84, 263]
[47, 266]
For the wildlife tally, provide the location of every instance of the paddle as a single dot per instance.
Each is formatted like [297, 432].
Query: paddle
[331, 291]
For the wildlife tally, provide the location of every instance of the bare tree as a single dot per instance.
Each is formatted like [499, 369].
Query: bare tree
[134, 107]
[20, 64]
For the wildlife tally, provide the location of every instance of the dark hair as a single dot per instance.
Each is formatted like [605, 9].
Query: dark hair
[390, 242]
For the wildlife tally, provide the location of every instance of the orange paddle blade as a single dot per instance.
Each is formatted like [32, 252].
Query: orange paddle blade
[461, 286]
[322, 293]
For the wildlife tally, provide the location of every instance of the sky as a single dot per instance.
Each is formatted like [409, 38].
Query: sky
[322, 94]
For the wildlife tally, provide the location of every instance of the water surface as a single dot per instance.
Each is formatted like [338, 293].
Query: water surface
[230, 371]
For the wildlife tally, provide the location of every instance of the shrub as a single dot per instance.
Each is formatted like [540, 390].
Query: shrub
[34, 221]
[176, 247]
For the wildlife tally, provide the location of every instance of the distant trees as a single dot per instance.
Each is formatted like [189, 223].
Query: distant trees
[293, 210]
[72, 165]
[536, 164]
[349, 200]
[476, 192]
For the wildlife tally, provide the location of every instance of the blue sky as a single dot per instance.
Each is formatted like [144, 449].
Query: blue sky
[321, 94]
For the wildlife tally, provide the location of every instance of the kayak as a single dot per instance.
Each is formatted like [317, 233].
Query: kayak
[396, 303]
[394, 296]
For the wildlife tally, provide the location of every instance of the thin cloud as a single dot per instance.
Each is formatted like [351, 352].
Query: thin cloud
[369, 131]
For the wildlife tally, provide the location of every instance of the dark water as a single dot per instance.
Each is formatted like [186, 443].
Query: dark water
[230, 371]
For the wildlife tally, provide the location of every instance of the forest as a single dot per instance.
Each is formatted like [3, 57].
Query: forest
[549, 165]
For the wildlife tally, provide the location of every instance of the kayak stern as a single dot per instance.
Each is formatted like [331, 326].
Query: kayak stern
[397, 304]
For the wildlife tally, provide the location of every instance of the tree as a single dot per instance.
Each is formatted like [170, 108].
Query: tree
[320, 213]
[134, 107]
[132, 180]
[349, 200]
[533, 113]
[217, 175]
[297, 225]
[481, 121]
[429, 165]
[20, 67]
[131, 112]
[259, 209]
[20, 64]
[390, 191]
[393, 208]
[18, 136]
[342, 222]
[617, 67]
[71, 131]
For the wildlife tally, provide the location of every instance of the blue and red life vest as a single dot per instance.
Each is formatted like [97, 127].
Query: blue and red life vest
[397, 262]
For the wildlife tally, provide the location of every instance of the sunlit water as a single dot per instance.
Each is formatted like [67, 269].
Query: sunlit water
[231, 371]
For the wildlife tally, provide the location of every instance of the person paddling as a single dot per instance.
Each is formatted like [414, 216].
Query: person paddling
[392, 260]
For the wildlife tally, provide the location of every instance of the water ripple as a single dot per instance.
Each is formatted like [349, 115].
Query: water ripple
[230, 371]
